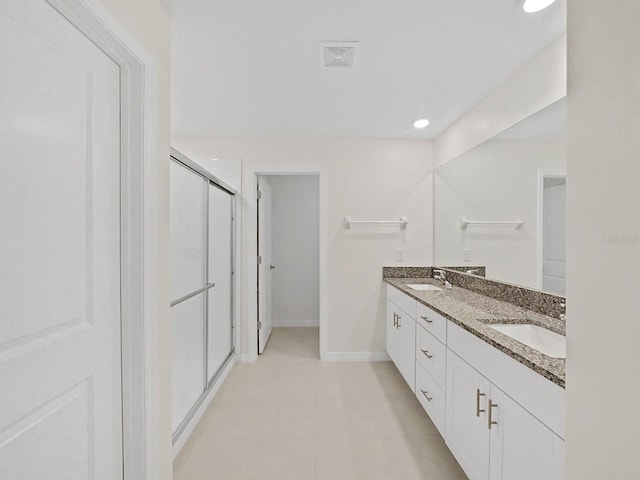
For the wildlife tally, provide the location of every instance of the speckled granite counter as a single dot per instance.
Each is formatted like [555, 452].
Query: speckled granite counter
[475, 312]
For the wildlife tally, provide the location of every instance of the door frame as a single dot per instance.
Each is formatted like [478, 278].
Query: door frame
[542, 174]
[251, 247]
[138, 84]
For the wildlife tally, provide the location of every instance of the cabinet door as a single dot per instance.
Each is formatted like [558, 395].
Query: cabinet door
[406, 329]
[401, 342]
[522, 448]
[467, 432]
[392, 332]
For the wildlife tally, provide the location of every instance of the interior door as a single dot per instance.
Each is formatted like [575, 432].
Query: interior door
[554, 245]
[264, 263]
[60, 395]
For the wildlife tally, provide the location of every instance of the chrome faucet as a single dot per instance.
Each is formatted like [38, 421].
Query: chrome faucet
[440, 275]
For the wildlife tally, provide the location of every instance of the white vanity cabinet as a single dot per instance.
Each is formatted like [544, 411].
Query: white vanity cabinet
[500, 419]
[492, 436]
[401, 340]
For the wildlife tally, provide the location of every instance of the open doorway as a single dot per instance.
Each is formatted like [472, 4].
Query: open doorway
[552, 238]
[288, 239]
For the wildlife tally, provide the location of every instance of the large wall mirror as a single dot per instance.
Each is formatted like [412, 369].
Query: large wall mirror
[502, 204]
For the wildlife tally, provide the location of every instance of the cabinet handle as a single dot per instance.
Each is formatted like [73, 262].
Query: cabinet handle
[426, 319]
[490, 416]
[478, 409]
[395, 319]
[426, 395]
[398, 325]
[426, 352]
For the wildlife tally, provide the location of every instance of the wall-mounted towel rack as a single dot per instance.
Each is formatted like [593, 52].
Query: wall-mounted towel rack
[465, 222]
[402, 223]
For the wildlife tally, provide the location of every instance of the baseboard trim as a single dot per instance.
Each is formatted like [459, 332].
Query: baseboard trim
[357, 357]
[296, 323]
[197, 416]
[244, 358]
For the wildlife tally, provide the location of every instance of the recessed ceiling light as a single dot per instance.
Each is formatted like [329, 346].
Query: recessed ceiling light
[531, 6]
[423, 122]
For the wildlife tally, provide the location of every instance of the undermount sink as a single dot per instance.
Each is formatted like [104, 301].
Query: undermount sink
[423, 287]
[545, 341]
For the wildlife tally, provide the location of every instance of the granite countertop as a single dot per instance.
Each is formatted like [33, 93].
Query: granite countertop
[475, 312]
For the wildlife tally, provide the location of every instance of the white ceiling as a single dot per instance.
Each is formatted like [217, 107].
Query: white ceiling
[253, 67]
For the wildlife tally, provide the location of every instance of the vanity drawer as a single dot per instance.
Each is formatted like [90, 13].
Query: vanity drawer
[431, 354]
[431, 397]
[435, 323]
[402, 300]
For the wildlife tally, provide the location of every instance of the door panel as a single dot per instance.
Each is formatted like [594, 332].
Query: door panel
[522, 447]
[61, 415]
[187, 356]
[264, 270]
[554, 240]
[467, 432]
[188, 231]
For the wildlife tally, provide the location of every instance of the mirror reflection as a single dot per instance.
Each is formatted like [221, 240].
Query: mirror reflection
[502, 204]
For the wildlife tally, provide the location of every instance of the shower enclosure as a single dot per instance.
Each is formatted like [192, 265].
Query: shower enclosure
[201, 285]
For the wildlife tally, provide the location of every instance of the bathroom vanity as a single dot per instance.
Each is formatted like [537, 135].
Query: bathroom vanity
[497, 401]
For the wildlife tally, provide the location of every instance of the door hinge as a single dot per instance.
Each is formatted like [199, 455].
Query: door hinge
[259, 324]
[259, 260]
[259, 195]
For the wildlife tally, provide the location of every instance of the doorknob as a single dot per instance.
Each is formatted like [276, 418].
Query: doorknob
[271, 267]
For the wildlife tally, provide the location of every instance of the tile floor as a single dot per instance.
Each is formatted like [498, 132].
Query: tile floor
[290, 416]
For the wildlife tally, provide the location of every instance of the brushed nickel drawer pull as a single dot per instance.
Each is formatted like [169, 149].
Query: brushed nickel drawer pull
[490, 416]
[478, 409]
[426, 395]
[426, 353]
[398, 325]
[426, 319]
[395, 319]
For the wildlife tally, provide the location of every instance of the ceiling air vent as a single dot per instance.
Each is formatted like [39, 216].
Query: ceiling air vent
[339, 54]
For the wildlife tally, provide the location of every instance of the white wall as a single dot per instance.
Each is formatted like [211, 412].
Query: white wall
[497, 180]
[295, 226]
[146, 22]
[603, 330]
[368, 179]
[539, 83]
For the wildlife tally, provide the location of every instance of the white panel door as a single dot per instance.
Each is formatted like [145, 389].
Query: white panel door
[60, 395]
[265, 267]
[219, 271]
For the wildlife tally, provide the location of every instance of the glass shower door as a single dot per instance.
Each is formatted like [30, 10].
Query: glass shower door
[188, 245]
[220, 342]
[201, 287]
